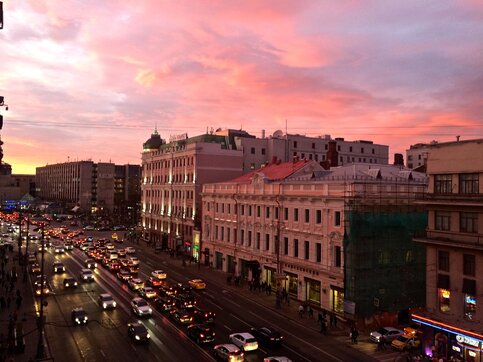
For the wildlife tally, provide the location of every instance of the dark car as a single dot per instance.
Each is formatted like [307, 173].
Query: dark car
[182, 288]
[185, 301]
[267, 336]
[181, 316]
[124, 275]
[201, 333]
[165, 303]
[138, 332]
[70, 282]
[79, 316]
[167, 290]
[154, 282]
[202, 316]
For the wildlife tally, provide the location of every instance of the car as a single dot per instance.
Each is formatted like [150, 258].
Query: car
[58, 267]
[133, 260]
[158, 274]
[140, 307]
[277, 359]
[181, 316]
[388, 334]
[138, 332]
[114, 266]
[70, 282]
[147, 293]
[39, 289]
[202, 316]
[32, 258]
[167, 290]
[68, 246]
[200, 333]
[185, 301]
[121, 253]
[413, 329]
[135, 284]
[165, 303]
[267, 336]
[134, 269]
[154, 282]
[124, 275]
[229, 352]
[35, 268]
[79, 316]
[197, 284]
[129, 250]
[405, 342]
[86, 275]
[58, 249]
[90, 263]
[106, 301]
[89, 227]
[110, 246]
[182, 288]
[245, 341]
[114, 236]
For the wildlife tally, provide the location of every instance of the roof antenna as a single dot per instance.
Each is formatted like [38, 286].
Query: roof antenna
[458, 138]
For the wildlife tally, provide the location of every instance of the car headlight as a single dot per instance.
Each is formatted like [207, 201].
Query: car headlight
[137, 338]
[77, 320]
[66, 284]
[75, 283]
[85, 318]
[114, 304]
[104, 305]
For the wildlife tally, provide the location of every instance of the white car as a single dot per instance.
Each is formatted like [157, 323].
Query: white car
[388, 334]
[86, 275]
[229, 352]
[245, 341]
[129, 250]
[140, 307]
[59, 249]
[133, 260]
[159, 274]
[106, 301]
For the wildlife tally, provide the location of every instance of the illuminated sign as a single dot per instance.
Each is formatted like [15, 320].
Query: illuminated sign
[456, 348]
[178, 137]
[467, 340]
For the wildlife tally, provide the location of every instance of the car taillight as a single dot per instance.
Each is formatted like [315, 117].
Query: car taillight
[202, 335]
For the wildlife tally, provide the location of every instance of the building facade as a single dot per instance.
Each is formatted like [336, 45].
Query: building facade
[127, 194]
[417, 155]
[172, 176]
[453, 319]
[289, 224]
[85, 184]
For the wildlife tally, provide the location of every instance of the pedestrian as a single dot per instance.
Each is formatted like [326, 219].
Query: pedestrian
[287, 298]
[323, 327]
[310, 311]
[301, 311]
[354, 335]
[250, 285]
[319, 318]
[269, 289]
[334, 320]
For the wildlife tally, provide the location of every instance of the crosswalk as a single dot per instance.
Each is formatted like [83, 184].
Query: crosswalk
[369, 348]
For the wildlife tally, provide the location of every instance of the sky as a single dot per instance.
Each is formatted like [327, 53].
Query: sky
[91, 79]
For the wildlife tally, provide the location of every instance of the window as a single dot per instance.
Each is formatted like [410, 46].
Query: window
[294, 144]
[469, 265]
[362, 149]
[267, 212]
[285, 246]
[252, 150]
[318, 217]
[295, 214]
[313, 145]
[263, 151]
[222, 237]
[469, 183]
[276, 213]
[285, 213]
[338, 257]
[350, 149]
[296, 248]
[307, 215]
[267, 241]
[469, 222]
[443, 260]
[442, 220]
[318, 252]
[337, 218]
[242, 209]
[258, 241]
[249, 210]
[242, 236]
[307, 250]
[442, 184]
[249, 238]
[228, 233]
[258, 211]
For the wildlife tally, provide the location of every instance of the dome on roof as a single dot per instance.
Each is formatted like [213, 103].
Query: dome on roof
[153, 143]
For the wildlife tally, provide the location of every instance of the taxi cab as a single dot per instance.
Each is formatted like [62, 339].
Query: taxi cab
[405, 342]
[197, 284]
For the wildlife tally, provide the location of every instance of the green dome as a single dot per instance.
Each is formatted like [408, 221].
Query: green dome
[154, 142]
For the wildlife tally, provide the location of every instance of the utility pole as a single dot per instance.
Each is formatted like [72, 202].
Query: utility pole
[20, 217]
[40, 343]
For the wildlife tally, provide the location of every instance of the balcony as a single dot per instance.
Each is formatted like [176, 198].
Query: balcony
[452, 239]
[456, 199]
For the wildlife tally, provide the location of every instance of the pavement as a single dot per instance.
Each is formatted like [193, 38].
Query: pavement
[340, 332]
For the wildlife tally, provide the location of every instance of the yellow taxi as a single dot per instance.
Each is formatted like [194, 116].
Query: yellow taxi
[197, 284]
[114, 236]
[405, 342]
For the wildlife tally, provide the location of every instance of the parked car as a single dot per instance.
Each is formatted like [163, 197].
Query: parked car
[413, 329]
[405, 342]
[245, 341]
[388, 334]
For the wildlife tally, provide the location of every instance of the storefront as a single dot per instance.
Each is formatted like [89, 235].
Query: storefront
[218, 260]
[337, 299]
[230, 264]
[244, 269]
[291, 284]
[196, 245]
[446, 341]
[270, 277]
[312, 291]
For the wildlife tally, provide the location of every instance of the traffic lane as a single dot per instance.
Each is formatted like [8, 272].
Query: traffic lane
[123, 295]
[305, 346]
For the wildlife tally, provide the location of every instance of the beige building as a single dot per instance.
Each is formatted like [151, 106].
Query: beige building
[454, 240]
[299, 226]
[84, 183]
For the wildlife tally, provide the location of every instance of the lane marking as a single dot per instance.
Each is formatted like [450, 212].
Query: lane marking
[224, 325]
[241, 320]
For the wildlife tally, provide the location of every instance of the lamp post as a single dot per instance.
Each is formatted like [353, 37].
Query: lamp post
[236, 232]
[40, 343]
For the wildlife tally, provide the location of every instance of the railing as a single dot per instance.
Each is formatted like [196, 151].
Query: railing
[451, 237]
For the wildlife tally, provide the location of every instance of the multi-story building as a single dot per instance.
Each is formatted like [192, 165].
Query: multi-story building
[417, 155]
[260, 151]
[453, 319]
[127, 193]
[82, 183]
[340, 238]
[172, 176]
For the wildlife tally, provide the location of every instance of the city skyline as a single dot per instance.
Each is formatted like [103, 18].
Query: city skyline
[92, 80]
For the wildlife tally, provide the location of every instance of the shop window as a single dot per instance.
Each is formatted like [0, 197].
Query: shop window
[469, 222]
[444, 300]
[313, 290]
[337, 301]
[443, 260]
[470, 306]
[442, 220]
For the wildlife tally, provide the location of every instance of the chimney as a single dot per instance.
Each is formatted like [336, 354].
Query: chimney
[398, 159]
[458, 138]
[263, 134]
[332, 154]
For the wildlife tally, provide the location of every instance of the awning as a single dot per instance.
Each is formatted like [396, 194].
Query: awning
[443, 281]
[469, 286]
